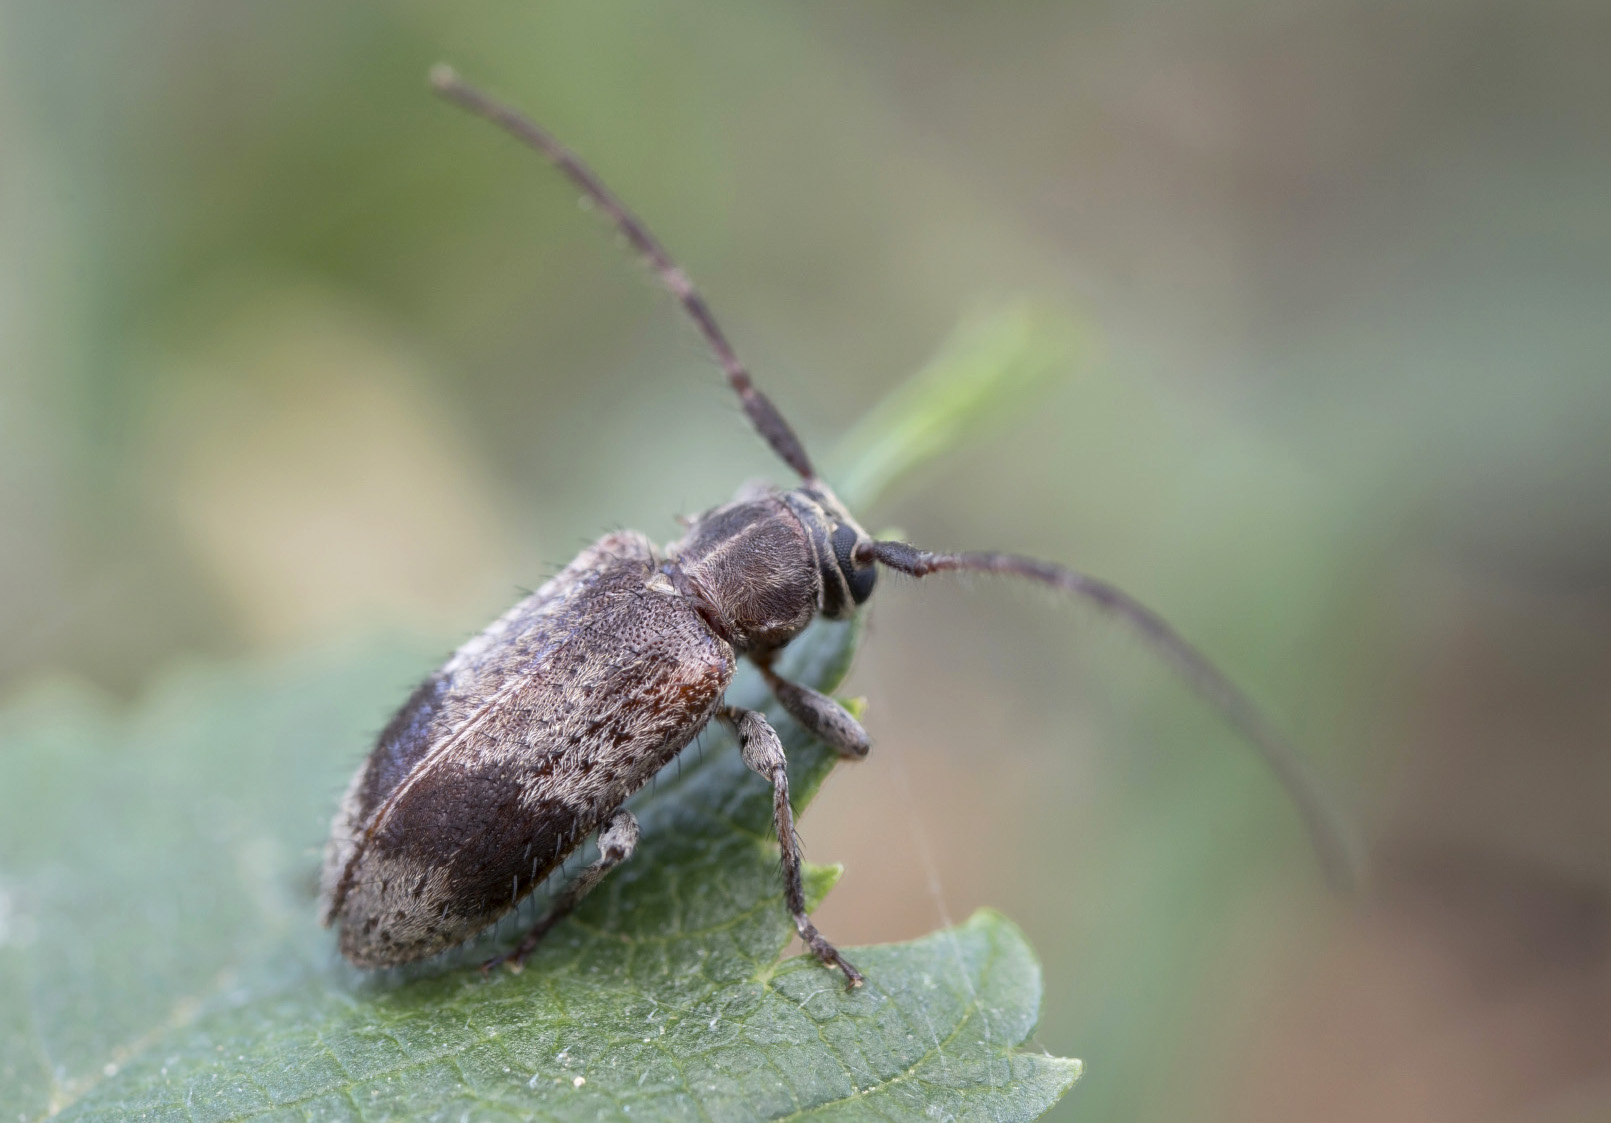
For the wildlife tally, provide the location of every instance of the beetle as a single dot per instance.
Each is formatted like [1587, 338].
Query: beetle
[534, 733]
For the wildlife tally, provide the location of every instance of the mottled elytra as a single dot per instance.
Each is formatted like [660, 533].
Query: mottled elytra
[532, 736]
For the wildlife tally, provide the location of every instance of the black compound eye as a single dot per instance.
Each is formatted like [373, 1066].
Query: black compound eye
[861, 579]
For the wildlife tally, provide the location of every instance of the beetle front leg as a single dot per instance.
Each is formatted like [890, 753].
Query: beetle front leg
[617, 840]
[763, 753]
[827, 720]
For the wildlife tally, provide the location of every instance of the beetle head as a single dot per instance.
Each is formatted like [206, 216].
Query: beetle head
[835, 536]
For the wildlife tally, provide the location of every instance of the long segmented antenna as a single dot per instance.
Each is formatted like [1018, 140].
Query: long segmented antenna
[1333, 839]
[760, 410]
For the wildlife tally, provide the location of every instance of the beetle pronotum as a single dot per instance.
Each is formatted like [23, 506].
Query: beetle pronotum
[532, 736]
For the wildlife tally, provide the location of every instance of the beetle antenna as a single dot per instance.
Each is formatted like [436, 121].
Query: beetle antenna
[757, 407]
[1333, 837]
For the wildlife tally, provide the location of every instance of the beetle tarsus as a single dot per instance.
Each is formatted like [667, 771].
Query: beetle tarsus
[515, 963]
[826, 952]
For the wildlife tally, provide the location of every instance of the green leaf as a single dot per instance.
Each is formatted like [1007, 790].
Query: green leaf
[160, 958]
[988, 367]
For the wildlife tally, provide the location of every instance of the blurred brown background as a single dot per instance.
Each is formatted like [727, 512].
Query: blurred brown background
[289, 351]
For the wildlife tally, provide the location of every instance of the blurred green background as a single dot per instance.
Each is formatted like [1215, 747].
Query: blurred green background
[290, 352]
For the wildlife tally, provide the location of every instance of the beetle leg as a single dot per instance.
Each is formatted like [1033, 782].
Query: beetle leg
[763, 753]
[827, 720]
[617, 839]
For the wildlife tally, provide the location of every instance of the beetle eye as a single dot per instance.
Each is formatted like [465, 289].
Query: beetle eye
[861, 579]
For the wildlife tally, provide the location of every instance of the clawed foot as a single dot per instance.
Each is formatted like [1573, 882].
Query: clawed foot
[826, 953]
[515, 960]
[853, 977]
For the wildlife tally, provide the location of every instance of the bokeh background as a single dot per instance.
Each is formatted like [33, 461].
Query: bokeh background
[291, 353]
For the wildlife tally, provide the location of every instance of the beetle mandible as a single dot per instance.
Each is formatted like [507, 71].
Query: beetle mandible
[532, 736]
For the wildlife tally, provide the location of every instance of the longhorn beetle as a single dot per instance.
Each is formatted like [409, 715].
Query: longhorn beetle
[536, 731]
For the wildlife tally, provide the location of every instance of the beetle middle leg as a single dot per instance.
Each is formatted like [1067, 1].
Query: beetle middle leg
[617, 840]
[763, 753]
[825, 719]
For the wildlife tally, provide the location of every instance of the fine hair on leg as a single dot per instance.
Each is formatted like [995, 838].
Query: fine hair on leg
[763, 754]
[823, 718]
[1333, 837]
[617, 839]
[763, 415]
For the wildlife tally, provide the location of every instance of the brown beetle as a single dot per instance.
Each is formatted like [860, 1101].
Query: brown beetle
[536, 731]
